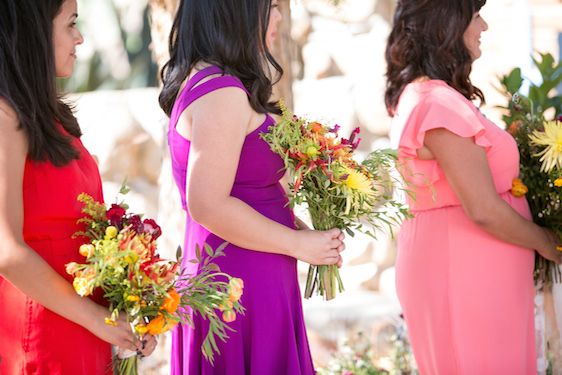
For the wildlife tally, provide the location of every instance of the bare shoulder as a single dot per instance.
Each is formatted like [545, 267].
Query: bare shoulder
[12, 139]
[8, 117]
[225, 99]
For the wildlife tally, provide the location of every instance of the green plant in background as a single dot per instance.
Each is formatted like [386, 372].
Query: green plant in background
[402, 356]
[356, 357]
[540, 98]
[524, 115]
[116, 54]
[353, 358]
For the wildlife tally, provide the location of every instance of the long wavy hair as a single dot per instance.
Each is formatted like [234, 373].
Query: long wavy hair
[230, 34]
[28, 79]
[427, 40]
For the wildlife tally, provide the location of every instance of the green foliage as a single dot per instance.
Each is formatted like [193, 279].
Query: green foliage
[540, 98]
[353, 358]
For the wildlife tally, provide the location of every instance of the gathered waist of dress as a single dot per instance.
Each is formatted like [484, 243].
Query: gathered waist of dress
[260, 194]
[519, 204]
[51, 231]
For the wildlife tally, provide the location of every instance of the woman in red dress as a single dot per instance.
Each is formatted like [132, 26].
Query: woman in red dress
[45, 327]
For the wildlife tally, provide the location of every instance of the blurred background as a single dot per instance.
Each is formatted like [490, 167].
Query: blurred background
[333, 56]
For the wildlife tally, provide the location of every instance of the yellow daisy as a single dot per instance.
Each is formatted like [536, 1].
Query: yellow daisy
[358, 181]
[551, 139]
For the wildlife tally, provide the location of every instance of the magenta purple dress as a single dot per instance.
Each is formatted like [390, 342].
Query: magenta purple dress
[271, 337]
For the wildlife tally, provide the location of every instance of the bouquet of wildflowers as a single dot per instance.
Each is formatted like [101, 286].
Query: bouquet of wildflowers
[540, 142]
[121, 258]
[533, 121]
[339, 191]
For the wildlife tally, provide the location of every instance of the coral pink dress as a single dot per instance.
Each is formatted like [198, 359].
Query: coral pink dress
[33, 339]
[467, 296]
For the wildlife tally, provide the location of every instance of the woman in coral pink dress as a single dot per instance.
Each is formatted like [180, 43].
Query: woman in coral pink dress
[464, 271]
[45, 327]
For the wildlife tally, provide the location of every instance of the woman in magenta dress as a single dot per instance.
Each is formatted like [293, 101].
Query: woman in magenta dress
[464, 271]
[45, 327]
[216, 92]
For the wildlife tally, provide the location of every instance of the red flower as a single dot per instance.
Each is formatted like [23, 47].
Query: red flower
[115, 215]
[152, 228]
[560, 118]
[136, 224]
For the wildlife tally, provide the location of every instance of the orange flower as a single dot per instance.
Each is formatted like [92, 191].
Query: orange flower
[514, 127]
[234, 294]
[558, 182]
[160, 324]
[229, 316]
[518, 188]
[235, 289]
[171, 302]
[341, 153]
[316, 127]
[227, 305]
[236, 282]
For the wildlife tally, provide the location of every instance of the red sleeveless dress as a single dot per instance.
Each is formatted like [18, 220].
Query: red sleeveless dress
[34, 340]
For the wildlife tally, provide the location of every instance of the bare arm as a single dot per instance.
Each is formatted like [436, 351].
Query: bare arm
[217, 137]
[22, 266]
[466, 167]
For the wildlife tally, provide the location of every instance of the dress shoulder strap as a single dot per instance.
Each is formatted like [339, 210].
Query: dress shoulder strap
[192, 91]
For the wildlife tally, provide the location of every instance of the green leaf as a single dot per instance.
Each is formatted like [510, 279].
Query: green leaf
[198, 252]
[513, 81]
[208, 249]
[124, 188]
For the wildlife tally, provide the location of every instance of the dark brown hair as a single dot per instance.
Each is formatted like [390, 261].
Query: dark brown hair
[230, 34]
[28, 79]
[427, 40]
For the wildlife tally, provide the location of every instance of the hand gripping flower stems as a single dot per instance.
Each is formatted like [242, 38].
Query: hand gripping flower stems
[121, 259]
[339, 191]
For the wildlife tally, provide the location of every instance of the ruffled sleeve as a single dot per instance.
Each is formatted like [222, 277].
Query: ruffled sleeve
[442, 109]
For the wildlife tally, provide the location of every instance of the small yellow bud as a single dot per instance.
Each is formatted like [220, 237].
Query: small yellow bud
[110, 322]
[111, 232]
[87, 250]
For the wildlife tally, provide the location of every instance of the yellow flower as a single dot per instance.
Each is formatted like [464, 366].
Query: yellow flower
[86, 250]
[551, 138]
[518, 188]
[558, 182]
[141, 329]
[110, 322]
[133, 298]
[82, 286]
[311, 151]
[111, 232]
[358, 181]
[71, 268]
